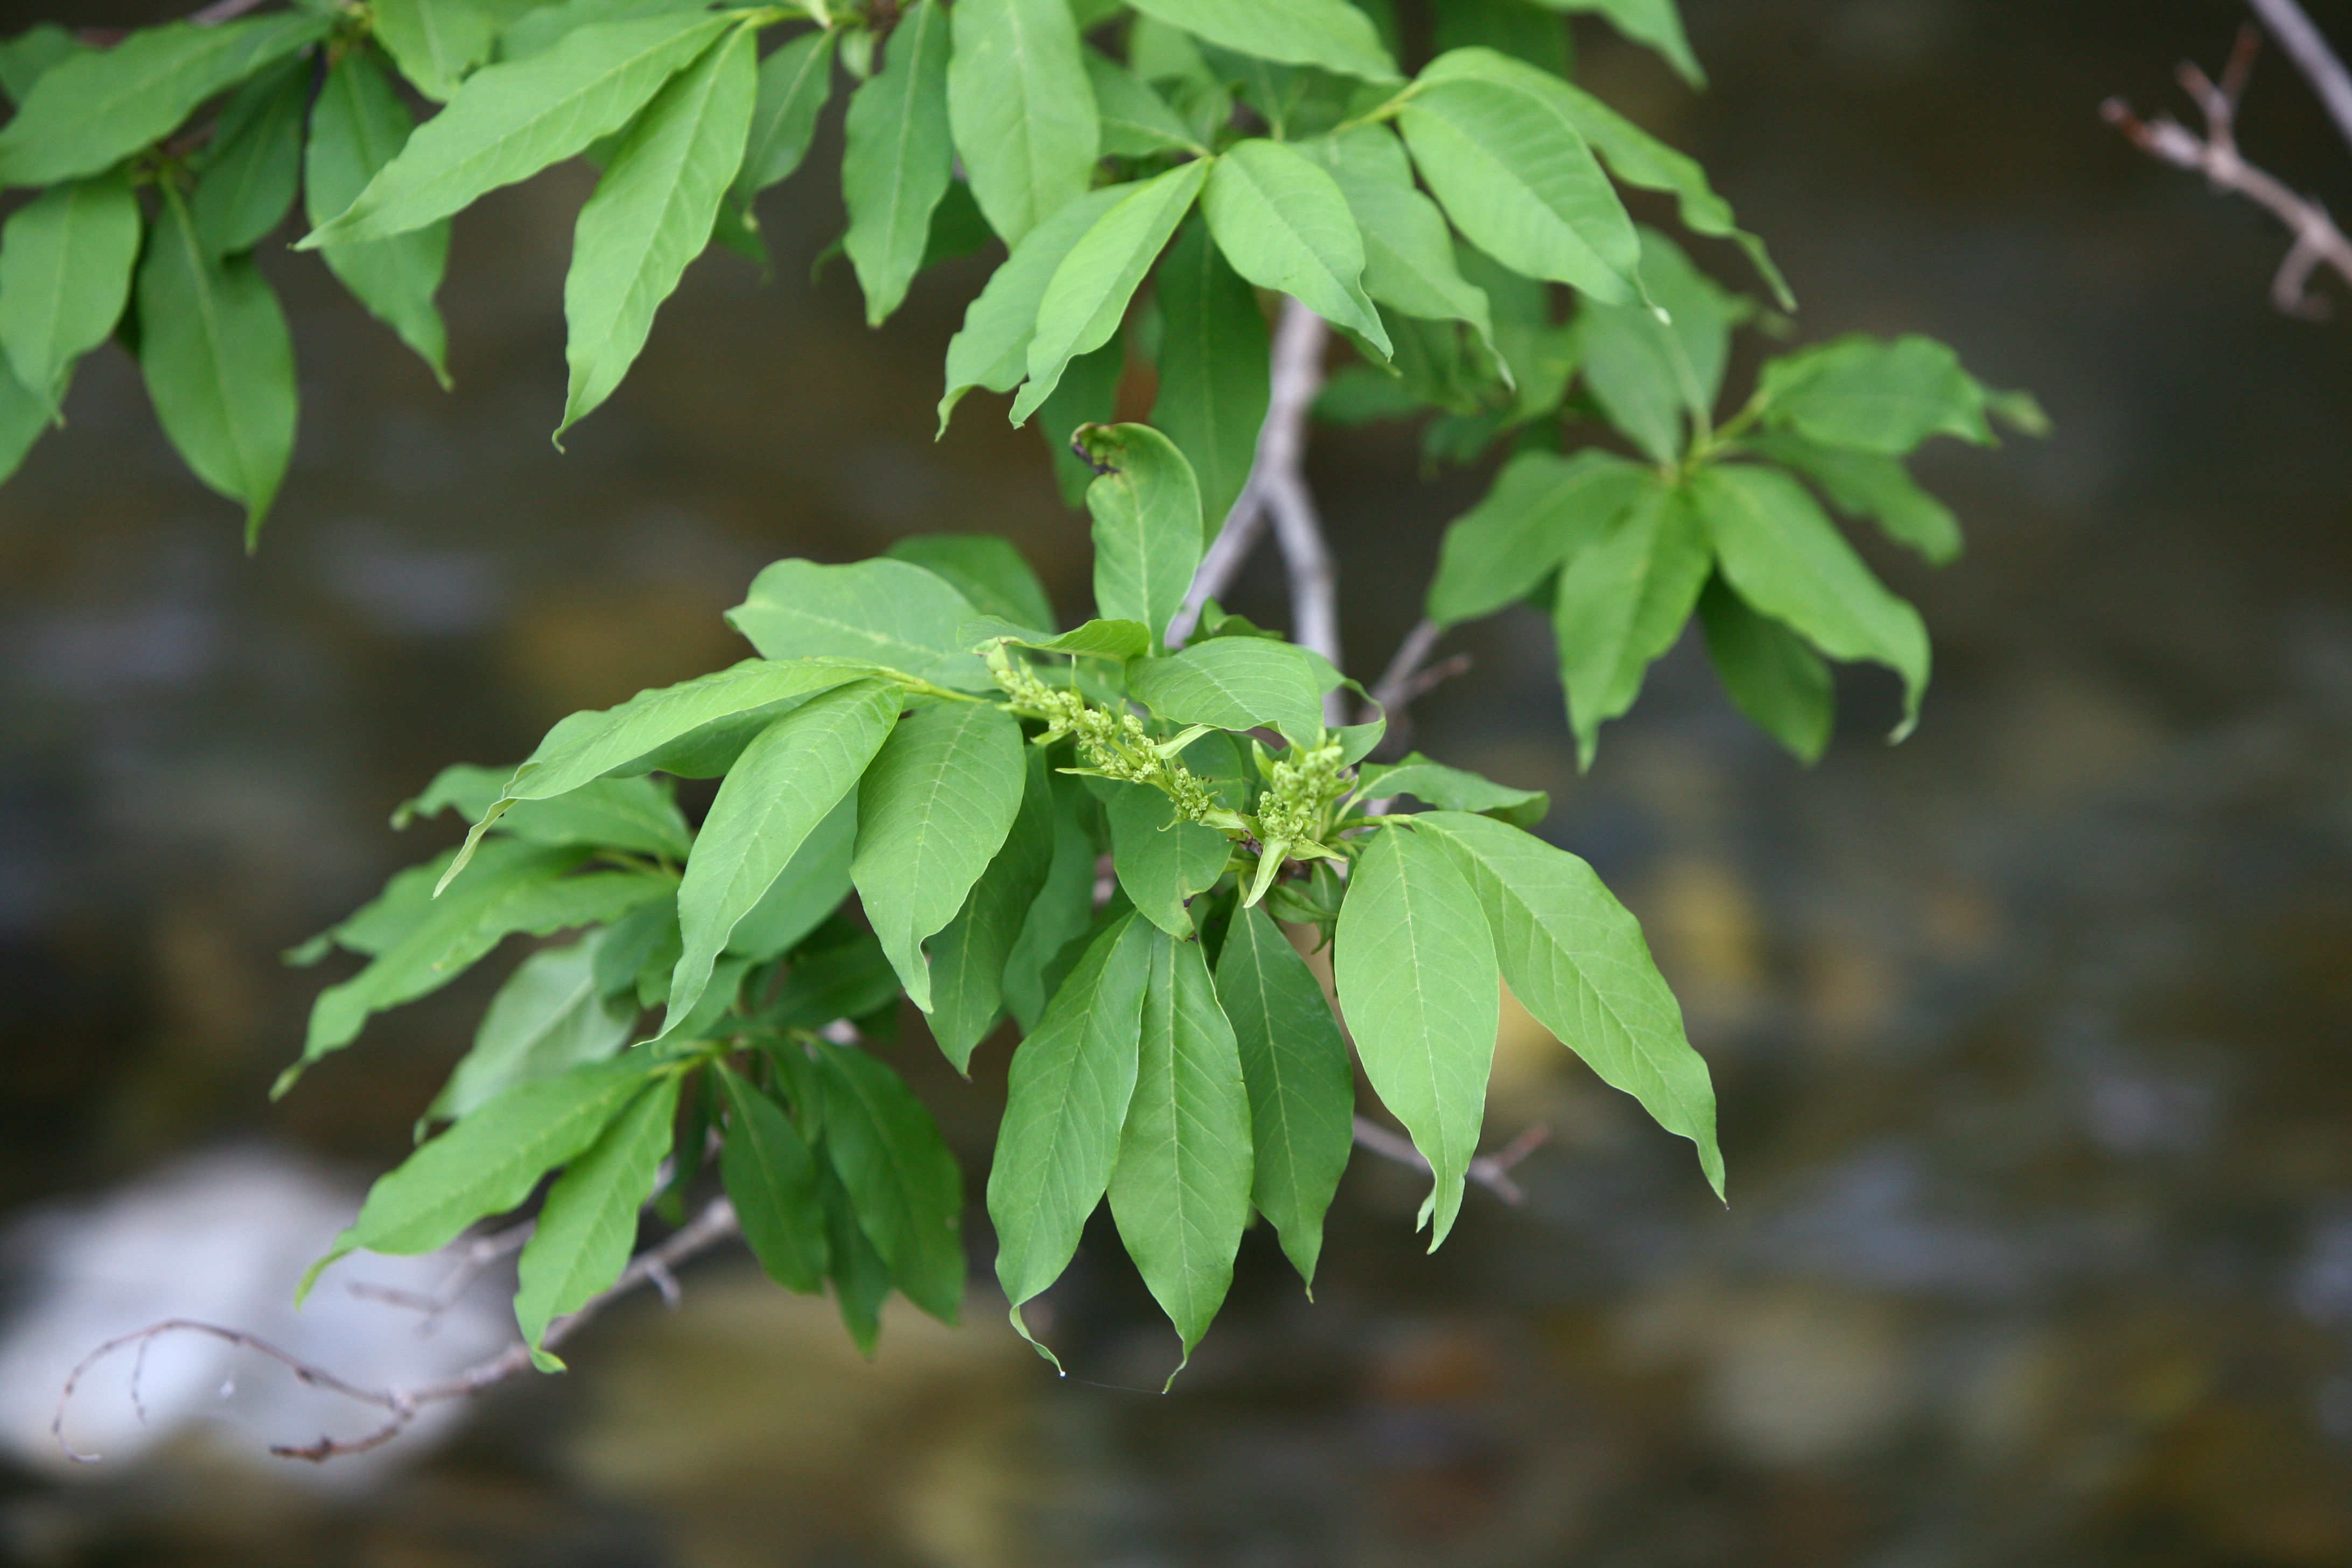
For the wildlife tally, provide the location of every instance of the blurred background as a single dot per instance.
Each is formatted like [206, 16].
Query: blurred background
[2030, 1034]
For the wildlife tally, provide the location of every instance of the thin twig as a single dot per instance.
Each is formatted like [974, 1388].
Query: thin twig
[478, 1255]
[2311, 57]
[222, 11]
[1492, 1172]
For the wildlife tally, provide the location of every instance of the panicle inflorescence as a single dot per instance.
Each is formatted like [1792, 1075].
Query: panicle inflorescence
[1116, 745]
[1297, 792]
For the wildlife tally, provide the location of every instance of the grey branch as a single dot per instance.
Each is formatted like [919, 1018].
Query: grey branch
[1492, 1172]
[2309, 51]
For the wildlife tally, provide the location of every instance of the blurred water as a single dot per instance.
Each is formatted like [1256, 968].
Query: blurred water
[2030, 1032]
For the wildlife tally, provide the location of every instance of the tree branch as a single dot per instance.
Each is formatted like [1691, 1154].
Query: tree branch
[2311, 57]
[1492, 1172]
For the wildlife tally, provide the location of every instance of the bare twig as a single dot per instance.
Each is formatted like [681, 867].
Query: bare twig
[2317, 240]
[478, 1254]
[1492, 1172]
[2311, 57]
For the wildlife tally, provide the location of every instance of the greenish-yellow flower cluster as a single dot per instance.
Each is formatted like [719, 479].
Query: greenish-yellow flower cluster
[1297, 792]
[1115, 745]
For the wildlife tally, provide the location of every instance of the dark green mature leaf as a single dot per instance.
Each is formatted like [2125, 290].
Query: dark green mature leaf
[1023, 109]
[1327, 33]
[1452, 789]
[66, 259]
[1302, 1092]
[885, 613]
[1653, 22]
[1622, 601]
[1576, 960]
[993, 348]
[1067, 1098]
[851, 981]
[770, 1177]
[92, 108]
[588, 1226]
[1284, 225]
[1161, 862]
[218, 362]
[1868, 395]
[1064, 907]
[1181, 1189]
[1521, 28]
[1235, 683]
[903, 1183]
[1868, 484]
[810, 887]
[932, 810]
[23, 417]
[986, 570]
[357, 126]
[1213, 383]
[488, 1162]
[255, 161]
[511, 119]
[1789, 562]
[1770, 672]
[1542, 511]
[548, 1018]
[436, 42]
[1417, 979]
[1088, 295]
[1086, 394]
[633, 814]
[1147, 524]
[968, 958]
[784, 785]
[861, 1279]
[1136, 122]
[24, 57]
[794, 83]
[1503, 153]
[898, 159]
[651, 215]
[1170, 60]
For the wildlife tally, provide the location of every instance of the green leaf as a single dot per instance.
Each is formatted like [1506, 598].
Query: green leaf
[1147, 524]
[357, 126]
[1869, 396]
[1519, 28]
[1656, 23]
[1171, 61]
[1213, 380]
[539, 27]
[620, 814]
[24, 57]
[898, 159]
[218, 362]
[1181, 1190]
[1408, 253]
[1504, 155]
[779, 791]
[885, 613]
[1327, 33]
[934, 810]
[794, 83]
[1867, 484]
[993, 348]
[1416, 973]
[1647, 374]
[901, 1180]
[488, 1162]
[255, 161]
[1302, 1092]
[1088, 295]
[1066, 1099]
[770, 1177]
[1789, 562]
[1284, 225]
[641, 946]
[65, 274]
[1064, 907]
[1622, 602]
[810, 887]
[23, 417]
[1770, 672]
[969, 957]
[1452, 789]
[1235, 683]
[1023, 109]
[852, 980]
[1576, 960]
[511, 119]
[861, 1280]
[1136, 122]
[92, 108]
[1161, 862]
[588, 1226]
[1542, 509]
[548, 1018]
[1117, 641]
[986, 570]
[436, 42]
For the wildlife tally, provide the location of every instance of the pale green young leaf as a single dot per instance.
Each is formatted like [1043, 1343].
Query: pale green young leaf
[548, 1018]
[1284, 225]
[970, 957]
[898, 159]
[1161, 862]
[794, 83]
[1870, 484]
[1116, 641]
[254, 159]
[23, 417]
[885, 613]
[810, 887]
[1064, 907]
[1147, 524]
[1576, 960]
[357, 126]
[1067, 1098]
[1542, 509]
[488, 1162]
[779, 791]
[1331, 34]
[1234, 683]
[986, 570]
[1022, 107]
[1656, 23]
[1169, 61]
[1214, 376]
[1872, 395]
[1769, 671]
[539, 27]
[66, 259]
[1302, 1092]
[1453, 789]
[771, 1178]
[991, 349]
[1789, 562]
[1181, 1189]
[932, 810]
[510, 121]
[1088, 295]
[436, 42]
[1622, 601]
[1136, 122]
[588, 1226]
[905, 1185]
[633, 814]
[218, 362]
[1417, 979]
[94, 107]
[1409, 258]
[25, 57]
